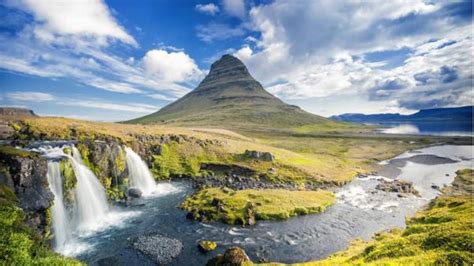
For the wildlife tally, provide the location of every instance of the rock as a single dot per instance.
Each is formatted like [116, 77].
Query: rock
[206, 246]
[250, 214]
[433, 186]
[233, 256]
[30, 184]
[162, 250]
[397, 186]
[263, 156]
[134, 192]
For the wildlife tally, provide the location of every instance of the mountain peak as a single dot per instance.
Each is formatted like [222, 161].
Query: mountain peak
[229, 96]
[227, 70]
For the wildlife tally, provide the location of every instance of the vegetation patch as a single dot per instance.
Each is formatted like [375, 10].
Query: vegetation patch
[12, 151]
[246, 206]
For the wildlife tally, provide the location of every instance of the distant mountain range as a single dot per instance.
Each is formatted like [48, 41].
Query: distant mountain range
[230, 97]
[456, 114]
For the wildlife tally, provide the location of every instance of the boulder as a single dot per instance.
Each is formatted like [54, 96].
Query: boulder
[233, 256]
[206, 246]
[259, 155]
[134, 192]
[162, 250]
[397, 186]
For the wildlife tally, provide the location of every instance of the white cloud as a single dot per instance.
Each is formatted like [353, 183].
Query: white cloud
[29, 96]
[218, 31]
[129, 107]
[234, 7]
[86, 18]
[315, 49]
[210, 8]
[170, 66]
[161, 97]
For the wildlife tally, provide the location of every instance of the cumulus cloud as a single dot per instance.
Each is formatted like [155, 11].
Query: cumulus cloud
[210, 8]
[170, 66]
[86, 19]
[29, 96]
[316, 49]
[79, 49]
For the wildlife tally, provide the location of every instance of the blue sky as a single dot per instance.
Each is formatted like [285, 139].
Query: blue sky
[117, 60]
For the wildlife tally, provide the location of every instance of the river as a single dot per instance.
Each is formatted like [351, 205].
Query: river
[360, 211]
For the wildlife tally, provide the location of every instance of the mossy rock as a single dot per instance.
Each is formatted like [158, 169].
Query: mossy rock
[206, 245]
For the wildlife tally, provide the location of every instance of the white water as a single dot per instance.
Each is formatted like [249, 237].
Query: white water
[60, 219]
[140, 175]
[91, 201]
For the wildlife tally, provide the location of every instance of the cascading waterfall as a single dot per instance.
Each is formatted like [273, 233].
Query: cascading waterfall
[91, 201]
[140, 175]
[60, 219]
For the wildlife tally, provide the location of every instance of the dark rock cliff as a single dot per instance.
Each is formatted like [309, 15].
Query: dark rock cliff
[26, 176]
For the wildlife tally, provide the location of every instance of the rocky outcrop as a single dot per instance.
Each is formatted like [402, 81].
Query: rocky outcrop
[397, 186]
[26, 176]
[233, 256]
[260, 155]
[15, 111]
[162, 250]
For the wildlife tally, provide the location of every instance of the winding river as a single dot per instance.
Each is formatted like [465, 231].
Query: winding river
[360, 211]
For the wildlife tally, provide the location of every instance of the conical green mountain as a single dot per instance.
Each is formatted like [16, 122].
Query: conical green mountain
[230, 97]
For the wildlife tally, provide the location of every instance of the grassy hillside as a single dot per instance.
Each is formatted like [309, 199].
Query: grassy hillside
[299, 158]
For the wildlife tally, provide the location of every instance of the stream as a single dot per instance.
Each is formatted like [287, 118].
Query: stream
[360, 211]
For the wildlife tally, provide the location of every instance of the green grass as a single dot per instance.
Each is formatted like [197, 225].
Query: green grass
[232, 207]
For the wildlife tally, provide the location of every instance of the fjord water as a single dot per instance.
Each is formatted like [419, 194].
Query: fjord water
[139, 174]
[360, 211]
[90, 198]
[59, 213]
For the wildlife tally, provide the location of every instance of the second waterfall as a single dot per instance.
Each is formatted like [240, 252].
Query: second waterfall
[140, 176]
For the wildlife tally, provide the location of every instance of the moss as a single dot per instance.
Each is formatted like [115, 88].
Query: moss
[237, 207]
[12, 151]
[120, 162]
[69, 181]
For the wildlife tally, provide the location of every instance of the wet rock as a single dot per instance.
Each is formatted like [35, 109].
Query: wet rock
[162, 250]
[134, 192]
[259, 155]
[397, 186]
[26, 176]
[206, 246]
[233, 256]
[433, 186]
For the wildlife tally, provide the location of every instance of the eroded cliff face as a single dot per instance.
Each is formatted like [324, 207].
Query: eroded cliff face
[25, 175]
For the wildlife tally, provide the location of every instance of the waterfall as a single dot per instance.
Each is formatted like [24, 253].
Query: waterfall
[140, 175]
[91, 201]
[60, 218]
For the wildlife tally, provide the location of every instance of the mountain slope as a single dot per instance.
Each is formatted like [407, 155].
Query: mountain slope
[456, 114]
[230, 97]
